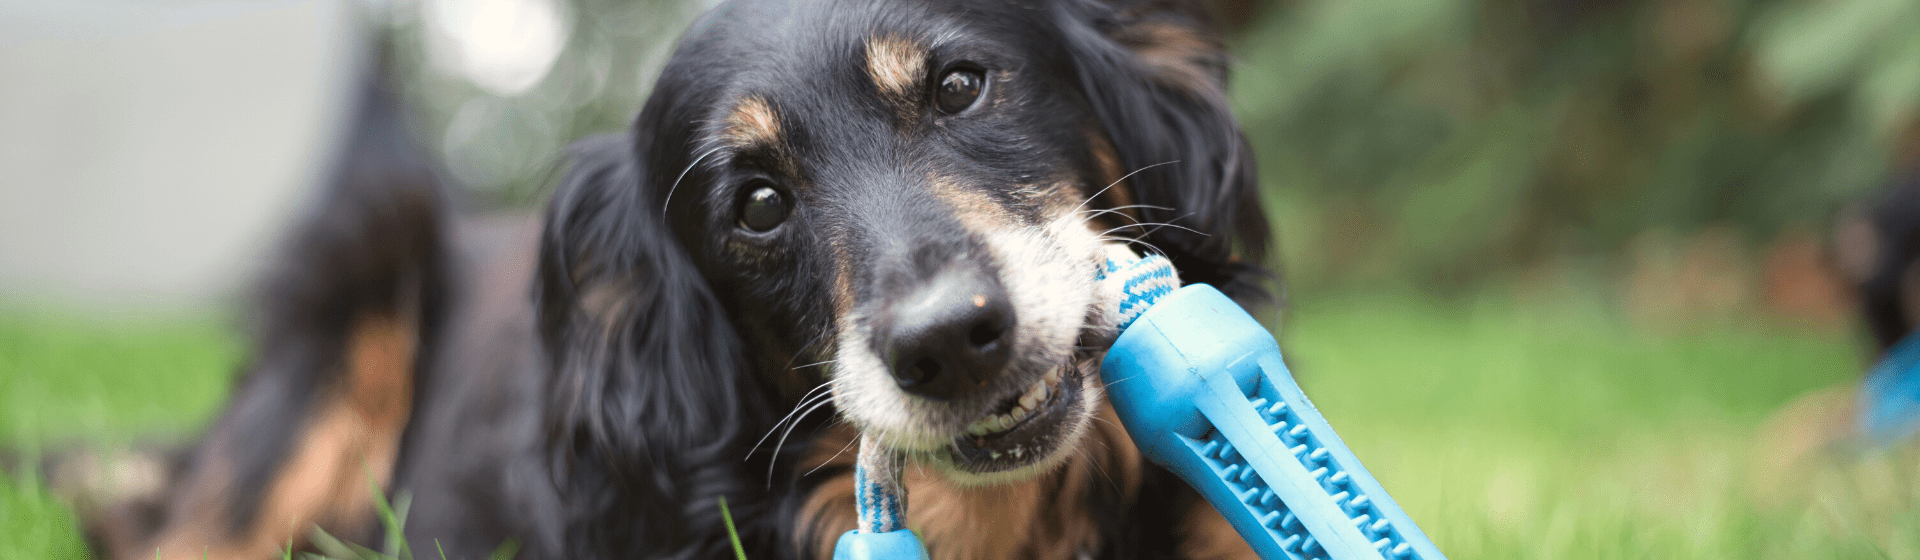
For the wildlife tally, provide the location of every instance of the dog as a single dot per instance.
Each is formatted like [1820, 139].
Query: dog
[831, 220]
[1876, 247]
[1816, 449]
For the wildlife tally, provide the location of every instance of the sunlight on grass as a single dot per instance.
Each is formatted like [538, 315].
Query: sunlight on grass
[1510, 430]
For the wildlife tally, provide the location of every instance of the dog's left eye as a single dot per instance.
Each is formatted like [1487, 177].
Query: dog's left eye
[763, 208]
[959, 89]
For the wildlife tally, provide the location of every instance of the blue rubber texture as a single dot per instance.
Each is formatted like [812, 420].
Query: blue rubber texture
[1890, 395]
[1201, 387]
[895, 545]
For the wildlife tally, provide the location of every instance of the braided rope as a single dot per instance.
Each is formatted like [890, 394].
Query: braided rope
[877, 490]
[1137, 280]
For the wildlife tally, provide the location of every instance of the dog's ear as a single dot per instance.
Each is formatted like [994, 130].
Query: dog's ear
[1155, 73]
[650, 398]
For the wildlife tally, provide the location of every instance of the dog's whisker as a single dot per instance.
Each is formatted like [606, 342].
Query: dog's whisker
[803, 351]
[783, 438]
[683, 176]
[805, 400]
[1096, 194]
[1130, 241]
[1156, 226]
[1132, 206]
[1117, 381]
[836, 454]
[1089, 214]
[815, 364]
[1093, 465]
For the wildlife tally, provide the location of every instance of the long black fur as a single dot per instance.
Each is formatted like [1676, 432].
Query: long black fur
[595, 397]
[653, 406]
[1196, 170]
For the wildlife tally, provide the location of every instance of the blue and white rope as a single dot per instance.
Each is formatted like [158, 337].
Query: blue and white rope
[1131, 281]
[877, 490]
[1139, 281]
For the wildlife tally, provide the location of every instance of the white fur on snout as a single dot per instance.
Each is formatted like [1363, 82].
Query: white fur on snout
[1048, 272]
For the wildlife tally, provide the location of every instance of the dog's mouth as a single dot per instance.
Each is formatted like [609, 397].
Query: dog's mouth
[1024, 429]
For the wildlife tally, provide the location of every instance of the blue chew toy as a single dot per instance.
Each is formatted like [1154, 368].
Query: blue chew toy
[1890, 395]
[1201, 388]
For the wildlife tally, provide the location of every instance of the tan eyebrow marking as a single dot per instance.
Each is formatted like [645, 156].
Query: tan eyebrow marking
[895, 64]
[752, 122]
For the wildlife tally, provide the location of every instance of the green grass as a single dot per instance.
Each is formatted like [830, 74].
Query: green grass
[65, 381]
[1507, 429]
[1553, 429]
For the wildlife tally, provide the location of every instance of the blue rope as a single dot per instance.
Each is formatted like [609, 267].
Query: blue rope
[878, 492]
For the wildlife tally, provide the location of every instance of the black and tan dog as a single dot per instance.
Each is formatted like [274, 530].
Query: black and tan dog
[890, 212]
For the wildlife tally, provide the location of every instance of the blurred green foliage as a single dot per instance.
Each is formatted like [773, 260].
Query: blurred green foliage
[1443, 141]
[1439, 142]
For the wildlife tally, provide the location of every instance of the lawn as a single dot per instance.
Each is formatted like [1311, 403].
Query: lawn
[1547, 428]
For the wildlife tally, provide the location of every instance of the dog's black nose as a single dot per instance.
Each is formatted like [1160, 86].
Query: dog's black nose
[947, 337]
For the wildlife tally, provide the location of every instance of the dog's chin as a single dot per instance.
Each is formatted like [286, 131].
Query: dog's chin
[1026, 435]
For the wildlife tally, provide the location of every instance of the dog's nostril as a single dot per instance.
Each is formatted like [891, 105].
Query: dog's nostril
[984, 334]
[924, 370]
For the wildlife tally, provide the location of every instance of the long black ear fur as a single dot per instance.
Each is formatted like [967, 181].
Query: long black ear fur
[652, 404]
[1155, 74]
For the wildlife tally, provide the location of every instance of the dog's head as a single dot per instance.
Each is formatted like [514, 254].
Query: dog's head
[905, 201]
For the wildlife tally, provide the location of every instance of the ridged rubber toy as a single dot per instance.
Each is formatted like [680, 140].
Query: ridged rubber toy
[1200, 386]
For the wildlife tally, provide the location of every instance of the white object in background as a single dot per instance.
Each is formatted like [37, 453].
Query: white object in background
[151, 152]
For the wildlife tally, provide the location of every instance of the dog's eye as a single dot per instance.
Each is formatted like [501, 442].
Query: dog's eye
[763, 208]
[959, 89]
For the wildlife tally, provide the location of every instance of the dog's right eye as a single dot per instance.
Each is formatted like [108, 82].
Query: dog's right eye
[763, 208]
[958, 90]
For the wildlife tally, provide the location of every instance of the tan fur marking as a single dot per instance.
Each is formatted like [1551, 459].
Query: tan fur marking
[607, 302]
[842, 275]
[352, 440]
[975, 210]
[1041, 518]
[752, 123]
[1117, 192]
[896, 65]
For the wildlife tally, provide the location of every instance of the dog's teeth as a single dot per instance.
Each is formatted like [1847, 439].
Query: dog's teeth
[1053, 377]
[1027, 401]
[994, 454]
[1017, 451]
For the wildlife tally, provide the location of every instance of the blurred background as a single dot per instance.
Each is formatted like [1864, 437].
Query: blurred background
[1559, 270]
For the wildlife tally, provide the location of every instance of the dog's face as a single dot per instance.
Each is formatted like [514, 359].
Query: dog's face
[895, 207]
[901, 190]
